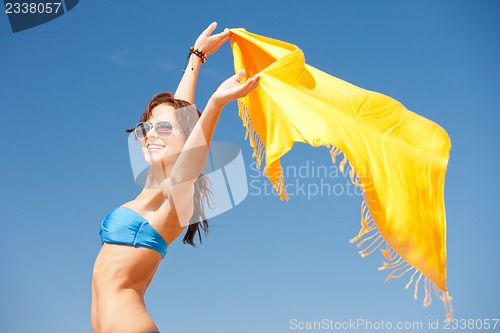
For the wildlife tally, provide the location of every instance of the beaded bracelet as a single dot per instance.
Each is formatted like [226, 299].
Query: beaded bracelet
[199, 53]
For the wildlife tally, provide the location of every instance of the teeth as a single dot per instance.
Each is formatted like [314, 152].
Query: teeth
[155, 147]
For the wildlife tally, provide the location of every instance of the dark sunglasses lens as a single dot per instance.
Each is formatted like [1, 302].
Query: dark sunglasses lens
[141, 130]
[163, 128]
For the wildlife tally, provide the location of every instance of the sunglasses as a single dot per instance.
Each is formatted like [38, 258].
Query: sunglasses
[162, 128]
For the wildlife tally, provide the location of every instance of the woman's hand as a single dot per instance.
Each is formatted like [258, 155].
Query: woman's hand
[210, 44]
[232, 88]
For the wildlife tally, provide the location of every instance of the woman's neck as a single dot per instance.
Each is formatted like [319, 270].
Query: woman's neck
[158, 173]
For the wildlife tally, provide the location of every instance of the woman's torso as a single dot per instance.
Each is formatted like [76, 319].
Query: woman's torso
[122, 273]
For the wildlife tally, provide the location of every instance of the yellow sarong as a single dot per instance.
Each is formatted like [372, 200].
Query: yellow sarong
[396, 157]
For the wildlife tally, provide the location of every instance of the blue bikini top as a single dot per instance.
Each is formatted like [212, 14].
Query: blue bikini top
[125, 226]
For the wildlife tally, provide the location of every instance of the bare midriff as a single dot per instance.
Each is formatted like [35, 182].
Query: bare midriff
[121, 275]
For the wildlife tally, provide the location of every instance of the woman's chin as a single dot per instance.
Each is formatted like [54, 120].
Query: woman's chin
[153, 156]
[153, 160]
[157, 157]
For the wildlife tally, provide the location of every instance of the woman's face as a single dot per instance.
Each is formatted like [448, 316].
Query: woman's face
[156, 148]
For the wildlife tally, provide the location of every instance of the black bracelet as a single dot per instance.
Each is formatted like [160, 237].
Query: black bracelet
[199, 53]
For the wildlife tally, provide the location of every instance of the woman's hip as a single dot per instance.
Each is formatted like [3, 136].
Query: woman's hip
[123, 311]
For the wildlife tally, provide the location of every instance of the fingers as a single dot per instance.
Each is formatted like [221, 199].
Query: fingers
[208, 31]
[222, 37]
[232, 88]
[249, 85]
[252, 83]
[219, 42]
[224, 34]
[240, 75]
[211, 43]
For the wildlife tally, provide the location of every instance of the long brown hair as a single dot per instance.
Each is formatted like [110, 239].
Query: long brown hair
[202, 192]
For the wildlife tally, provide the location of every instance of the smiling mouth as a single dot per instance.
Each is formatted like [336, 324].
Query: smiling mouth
[155, 147]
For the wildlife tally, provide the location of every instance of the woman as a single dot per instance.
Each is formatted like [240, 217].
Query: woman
[136, 235]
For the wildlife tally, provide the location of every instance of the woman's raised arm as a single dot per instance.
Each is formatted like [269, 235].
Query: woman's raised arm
[207, 43]
[190, 163]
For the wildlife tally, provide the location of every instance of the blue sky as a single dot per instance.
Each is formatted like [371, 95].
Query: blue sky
[70, 87]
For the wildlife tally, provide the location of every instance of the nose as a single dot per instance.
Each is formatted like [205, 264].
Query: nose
[152, 133]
